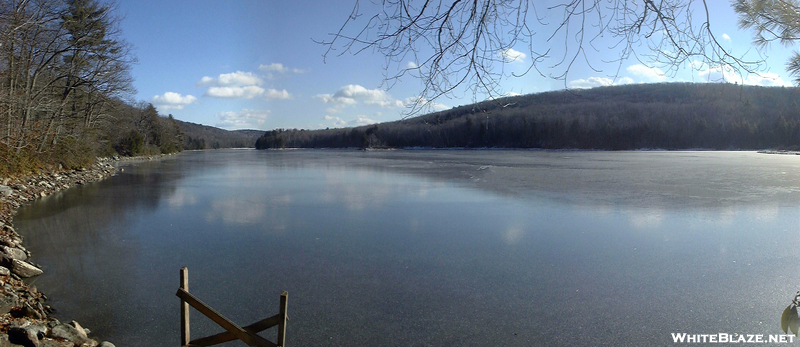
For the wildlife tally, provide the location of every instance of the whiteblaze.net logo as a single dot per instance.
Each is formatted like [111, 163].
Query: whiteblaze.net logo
[731, 338]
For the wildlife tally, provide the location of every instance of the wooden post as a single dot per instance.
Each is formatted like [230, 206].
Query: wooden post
[248, 334]
[185, 332]
[282, 319]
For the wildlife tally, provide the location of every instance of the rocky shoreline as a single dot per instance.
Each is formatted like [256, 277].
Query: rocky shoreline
[25, 317]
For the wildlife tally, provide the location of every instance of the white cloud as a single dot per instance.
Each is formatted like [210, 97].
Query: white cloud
[207, 81]
[421, 102]
[234, 79]
[385, 103]
[719, 74]
[624, 80]
[239, 85]
[504, 95]
[339, 101]
[172, 101]
[278, 67]
[363, 120]
[336, 120]
[411, 65]
[355, 91]
[438, 107]
[590, 82]
[767, 79]
[511, 55]
[648, 74]
[358, 121]
[244, 119]
[351, 94]
[726, 73]
[726, 37]
[248, 92]
[278, 94]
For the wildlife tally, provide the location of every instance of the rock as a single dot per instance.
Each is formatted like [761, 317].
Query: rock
[6, 190]
[69, 332]
[39, 330]
[6, 304]
[79, 328]
[106, 344]
[30, 312]
[5, 343]
[14, 253]
[4, 271]
[54, 343]
[19, 267]
[22, 336]
[4, 241]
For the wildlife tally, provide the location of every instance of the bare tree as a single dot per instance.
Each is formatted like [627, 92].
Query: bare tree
[61, 62]
[30, 43]
[460, 43]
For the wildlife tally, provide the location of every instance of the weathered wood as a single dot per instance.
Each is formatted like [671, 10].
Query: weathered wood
[223, 337]
[185, 331]
[238, 332]
[282, 313]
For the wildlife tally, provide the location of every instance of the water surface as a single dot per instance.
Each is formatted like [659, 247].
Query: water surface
[429, 248]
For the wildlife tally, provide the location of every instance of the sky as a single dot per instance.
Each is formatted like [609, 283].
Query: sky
[254, 64]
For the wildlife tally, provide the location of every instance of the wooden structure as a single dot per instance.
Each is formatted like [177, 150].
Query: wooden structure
[247, 334]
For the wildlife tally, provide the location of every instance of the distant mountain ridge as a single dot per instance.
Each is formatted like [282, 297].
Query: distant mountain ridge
[663, 116]
[198, 136]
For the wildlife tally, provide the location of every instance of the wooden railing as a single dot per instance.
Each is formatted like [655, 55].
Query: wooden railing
[247, 334]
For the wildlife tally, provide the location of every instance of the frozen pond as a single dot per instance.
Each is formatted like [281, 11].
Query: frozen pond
[429, 248]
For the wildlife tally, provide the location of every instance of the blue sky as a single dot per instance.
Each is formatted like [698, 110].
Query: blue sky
[253, 64]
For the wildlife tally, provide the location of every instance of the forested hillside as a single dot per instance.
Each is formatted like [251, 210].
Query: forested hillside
[198, 136]
[665, 116]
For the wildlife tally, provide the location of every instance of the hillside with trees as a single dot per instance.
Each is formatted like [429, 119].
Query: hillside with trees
[198, 136]
[649, 116]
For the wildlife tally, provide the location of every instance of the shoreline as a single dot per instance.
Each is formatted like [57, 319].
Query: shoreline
[25, 317]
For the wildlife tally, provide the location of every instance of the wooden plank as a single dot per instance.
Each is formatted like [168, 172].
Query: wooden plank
[185, 331]
[282, 312]
[241, 334]
[227, 336]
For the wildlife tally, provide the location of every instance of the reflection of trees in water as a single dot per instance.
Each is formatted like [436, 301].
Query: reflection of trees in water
[72, 233]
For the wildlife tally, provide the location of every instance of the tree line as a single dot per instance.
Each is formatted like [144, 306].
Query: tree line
[65, 88]
[649, 116]
[198, 136]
